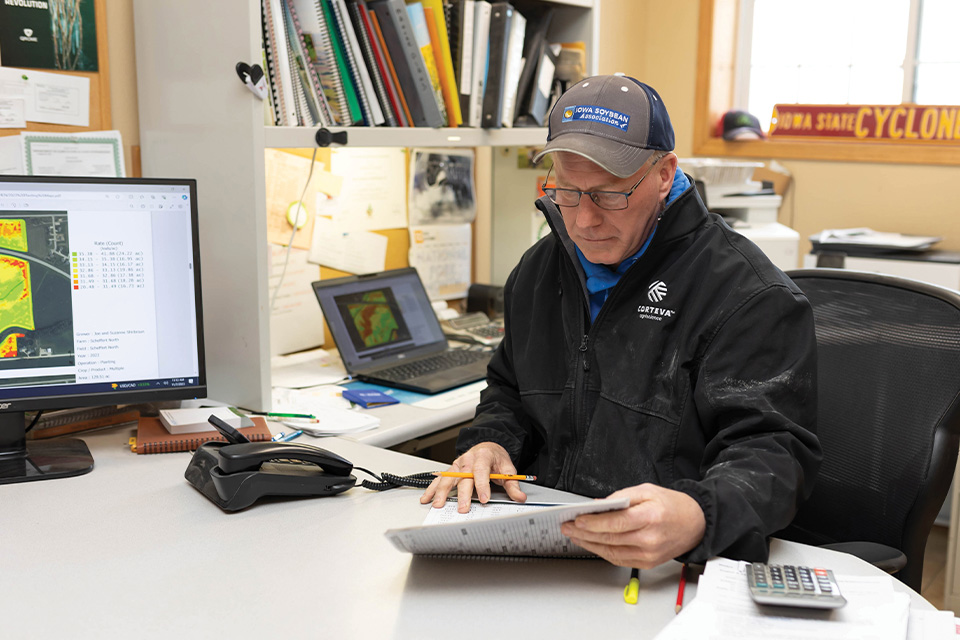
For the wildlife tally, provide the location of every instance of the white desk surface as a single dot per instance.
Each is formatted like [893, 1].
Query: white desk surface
[402, 422]
[131, 550]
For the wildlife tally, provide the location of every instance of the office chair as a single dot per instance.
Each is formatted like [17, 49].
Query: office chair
[888, 420]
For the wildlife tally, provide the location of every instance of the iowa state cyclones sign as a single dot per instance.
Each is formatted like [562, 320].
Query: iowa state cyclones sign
[910, 123]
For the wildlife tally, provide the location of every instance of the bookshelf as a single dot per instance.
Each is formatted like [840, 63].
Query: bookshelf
[198, 120]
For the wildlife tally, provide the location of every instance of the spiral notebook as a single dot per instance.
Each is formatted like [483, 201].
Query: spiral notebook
[153, 437]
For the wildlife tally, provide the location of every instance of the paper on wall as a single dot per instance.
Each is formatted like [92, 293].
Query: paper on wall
[442, 186]
[374, 192]
[296, 321]
[11, 155]
[285, 175]
[53, 98]
[13, 113]
[441, 255]
[88, 153]
[351, 251]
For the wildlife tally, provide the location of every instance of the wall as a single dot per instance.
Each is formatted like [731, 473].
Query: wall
[123, 76]
[656, 42]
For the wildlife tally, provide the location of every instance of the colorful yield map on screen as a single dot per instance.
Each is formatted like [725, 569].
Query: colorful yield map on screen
[373, 319]
[36, 314]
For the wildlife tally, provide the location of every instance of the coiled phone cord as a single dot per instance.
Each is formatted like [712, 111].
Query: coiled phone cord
[390, 481]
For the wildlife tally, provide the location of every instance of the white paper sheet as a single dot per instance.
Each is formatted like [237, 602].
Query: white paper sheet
[296, 322]
[13, 113]
[441, 254]
[307, 369]
[374, 191]
[325, 402]
[723, 608]
[53, 98]
[466, 393]
[94, 153]
[350, 251]
[11, 155]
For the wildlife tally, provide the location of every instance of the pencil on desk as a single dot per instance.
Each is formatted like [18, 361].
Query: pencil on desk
[680, 588]
[493, 476]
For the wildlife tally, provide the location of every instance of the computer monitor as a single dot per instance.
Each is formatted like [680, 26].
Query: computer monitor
[99, 305]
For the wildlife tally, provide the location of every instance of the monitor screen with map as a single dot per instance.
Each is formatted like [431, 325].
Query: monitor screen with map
[99, 305]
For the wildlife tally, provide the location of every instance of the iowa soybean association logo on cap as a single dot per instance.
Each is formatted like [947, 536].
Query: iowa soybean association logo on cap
[593, 113]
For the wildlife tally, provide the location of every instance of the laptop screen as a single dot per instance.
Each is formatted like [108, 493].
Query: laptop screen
[379, 319]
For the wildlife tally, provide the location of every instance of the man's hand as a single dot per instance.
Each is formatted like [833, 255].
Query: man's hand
[480, 460]
[660, 524]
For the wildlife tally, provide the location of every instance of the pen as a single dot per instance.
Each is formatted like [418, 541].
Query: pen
[632, 590]
[290, 436]
[277, 436]
[272, 414]
[296, 420]
[683, 583]
[493, 476]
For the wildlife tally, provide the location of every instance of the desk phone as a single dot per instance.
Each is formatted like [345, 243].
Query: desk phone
[791, 586]
[474, 327]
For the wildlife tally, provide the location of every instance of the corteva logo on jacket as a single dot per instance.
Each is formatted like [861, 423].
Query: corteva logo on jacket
[656, 292]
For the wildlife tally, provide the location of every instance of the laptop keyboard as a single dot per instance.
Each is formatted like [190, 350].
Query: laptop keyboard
[439, 362]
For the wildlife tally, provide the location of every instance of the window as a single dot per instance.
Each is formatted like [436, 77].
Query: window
[846, 51]
[935, 65]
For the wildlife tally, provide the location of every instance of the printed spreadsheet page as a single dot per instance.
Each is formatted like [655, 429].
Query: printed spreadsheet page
[499, 529]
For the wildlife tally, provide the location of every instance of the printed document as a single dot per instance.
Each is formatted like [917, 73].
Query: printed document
[53, 98]
[497, 529]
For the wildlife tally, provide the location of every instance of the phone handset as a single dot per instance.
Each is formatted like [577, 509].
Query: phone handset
[249, 456]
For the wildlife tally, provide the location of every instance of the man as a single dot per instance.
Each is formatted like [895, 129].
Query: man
[650, 352]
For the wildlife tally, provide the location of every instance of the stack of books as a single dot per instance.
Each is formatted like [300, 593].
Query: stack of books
[425, 63]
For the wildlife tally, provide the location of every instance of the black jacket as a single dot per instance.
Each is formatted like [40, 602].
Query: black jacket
[699, 374]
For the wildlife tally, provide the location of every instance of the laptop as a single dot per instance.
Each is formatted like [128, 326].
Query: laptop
[387, 333]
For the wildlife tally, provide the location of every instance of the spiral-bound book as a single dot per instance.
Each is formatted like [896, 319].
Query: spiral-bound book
[500, 529]
[153, 437]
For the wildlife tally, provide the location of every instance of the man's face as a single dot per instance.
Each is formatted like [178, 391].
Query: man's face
[609, 237]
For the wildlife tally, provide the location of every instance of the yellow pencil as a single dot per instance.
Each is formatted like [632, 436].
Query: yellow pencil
[493, 476]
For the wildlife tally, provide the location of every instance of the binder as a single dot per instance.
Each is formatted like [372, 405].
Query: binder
[464, 11]
[501, 21]
[481, 43]
[323, 58]
[421, 33]
[384, 67]
[394, 80]
[357, 9]
[269, 61]
[311, 80]
[444, 56]
[530, 99]
[279, 63]
[372, 113]
[514, 65]
[153, 437]
[355, 115]
[411, 71]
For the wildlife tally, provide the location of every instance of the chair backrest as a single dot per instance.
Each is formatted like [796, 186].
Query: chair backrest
[888, 352]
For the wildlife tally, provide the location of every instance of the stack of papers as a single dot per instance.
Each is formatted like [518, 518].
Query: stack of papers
[874, 610]
[865, 238]
[335, 416]
[306, 369]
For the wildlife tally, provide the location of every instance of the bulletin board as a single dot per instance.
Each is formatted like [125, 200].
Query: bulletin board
[99, 86]
[398, 240]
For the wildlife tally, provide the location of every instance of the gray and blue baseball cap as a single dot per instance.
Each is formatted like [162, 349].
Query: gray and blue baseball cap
[614, 121]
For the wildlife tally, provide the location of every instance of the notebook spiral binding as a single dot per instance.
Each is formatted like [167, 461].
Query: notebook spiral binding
[365, 107]
[324, 114]
[269, 42]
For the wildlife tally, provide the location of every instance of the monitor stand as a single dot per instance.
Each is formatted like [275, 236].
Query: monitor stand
[25, 461]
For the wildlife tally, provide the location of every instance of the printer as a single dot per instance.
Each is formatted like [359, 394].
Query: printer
[748, 206]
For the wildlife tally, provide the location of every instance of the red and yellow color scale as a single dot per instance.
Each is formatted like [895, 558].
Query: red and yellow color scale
[76, 277]
[904, 123]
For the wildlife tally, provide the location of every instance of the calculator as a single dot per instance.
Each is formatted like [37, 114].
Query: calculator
[794, 586]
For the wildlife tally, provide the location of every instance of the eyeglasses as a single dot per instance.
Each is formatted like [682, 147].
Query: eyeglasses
[609, 200]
